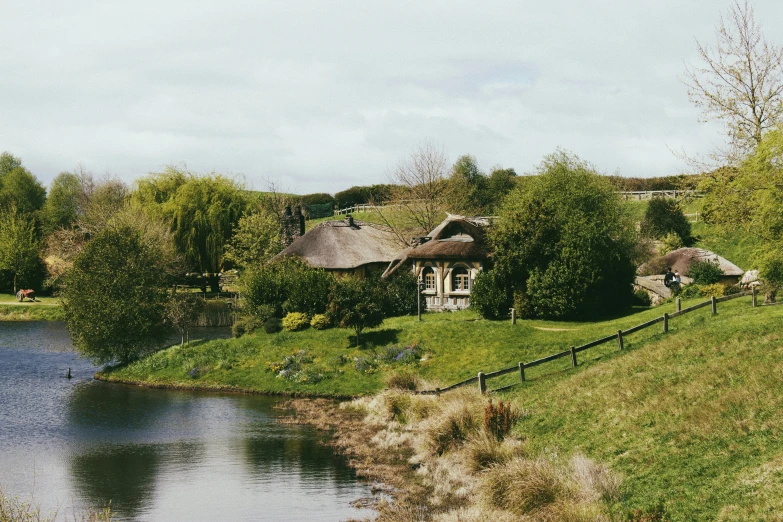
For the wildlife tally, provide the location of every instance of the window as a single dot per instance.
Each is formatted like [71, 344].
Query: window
[460, 280]
[428, 275]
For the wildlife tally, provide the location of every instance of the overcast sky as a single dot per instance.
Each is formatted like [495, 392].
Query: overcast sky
[319, 95]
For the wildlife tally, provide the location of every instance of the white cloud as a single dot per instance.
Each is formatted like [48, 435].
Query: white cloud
[323, 95]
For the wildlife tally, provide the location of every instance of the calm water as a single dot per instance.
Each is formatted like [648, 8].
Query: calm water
[155, 454]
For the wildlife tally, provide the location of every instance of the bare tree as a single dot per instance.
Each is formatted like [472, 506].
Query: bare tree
[739, 82]
[417, 203]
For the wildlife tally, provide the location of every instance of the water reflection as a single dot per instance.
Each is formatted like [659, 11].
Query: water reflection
[154, 454]
[124, 475]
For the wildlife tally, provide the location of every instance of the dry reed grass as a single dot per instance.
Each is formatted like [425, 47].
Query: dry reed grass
[445, 466]
[13, 509]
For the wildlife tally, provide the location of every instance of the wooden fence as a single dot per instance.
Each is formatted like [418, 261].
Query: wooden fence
[649, 194]
[572, 351]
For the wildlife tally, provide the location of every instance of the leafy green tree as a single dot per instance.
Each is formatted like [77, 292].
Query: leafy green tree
[563, 246]
[201, 211]
[664, 216]
[8, 162]
[63, 203]
[23, 190]
[354, 305]
[19, 249]
[501, 181]
[256, 239]
[114, 296]
[467, 187]
[183, 310]
[771, 274]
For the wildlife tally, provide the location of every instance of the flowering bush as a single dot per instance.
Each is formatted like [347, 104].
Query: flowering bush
[320, 322]
[294, 321]
[292, 367]
[394, 353]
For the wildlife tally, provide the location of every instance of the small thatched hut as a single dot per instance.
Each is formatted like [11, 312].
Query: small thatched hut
[446, 261]
[345, 247]
[682, 259]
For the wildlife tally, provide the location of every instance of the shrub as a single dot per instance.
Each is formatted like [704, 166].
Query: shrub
[713, 290]
[320, 322]
[671, 242]
[499, 419]
[705, 272]
[642, 298]
[489, 296]
[689, 292]
[272, 325]
[246, 324]
[290, 285]
[294, 321]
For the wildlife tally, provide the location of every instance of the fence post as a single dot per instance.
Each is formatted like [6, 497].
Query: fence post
[620, 339]
[678, 304]
[753, 302]
[513, 316]
[714, 305]
[665, 323]
[482, 381]
[573, 357]
[522, 371]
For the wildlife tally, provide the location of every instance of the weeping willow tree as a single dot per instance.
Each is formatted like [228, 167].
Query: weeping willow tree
[202, 212]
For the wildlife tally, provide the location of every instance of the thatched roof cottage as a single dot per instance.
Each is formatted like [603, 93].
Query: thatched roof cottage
[346, 247]
[447, 261]
[650, 276]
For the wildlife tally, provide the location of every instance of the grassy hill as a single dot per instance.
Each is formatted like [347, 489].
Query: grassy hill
[691, 420]
[453, 346]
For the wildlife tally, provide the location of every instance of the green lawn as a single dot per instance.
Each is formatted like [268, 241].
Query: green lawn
[455, 346]
[48, 309]
[692, 419]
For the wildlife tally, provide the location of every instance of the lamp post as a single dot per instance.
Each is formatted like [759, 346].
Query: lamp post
[419, 287]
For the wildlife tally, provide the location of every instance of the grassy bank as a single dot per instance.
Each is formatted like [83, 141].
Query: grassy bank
[692, 420]
[683, 427]
[451, 347]
[47, 309]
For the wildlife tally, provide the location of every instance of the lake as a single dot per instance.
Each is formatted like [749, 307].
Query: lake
[154, 454]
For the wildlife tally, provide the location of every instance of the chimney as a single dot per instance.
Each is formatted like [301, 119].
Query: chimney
[293, 225]
[349, 220]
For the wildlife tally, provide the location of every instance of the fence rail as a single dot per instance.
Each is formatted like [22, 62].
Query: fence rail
[482, 377]
[649, 194]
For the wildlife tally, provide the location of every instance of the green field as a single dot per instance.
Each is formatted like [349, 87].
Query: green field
[691, 420]
[454, 346]
[48, 309]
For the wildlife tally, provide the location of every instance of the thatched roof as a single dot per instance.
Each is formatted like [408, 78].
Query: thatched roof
[338, 245]
[457, 237]
[682, 259]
